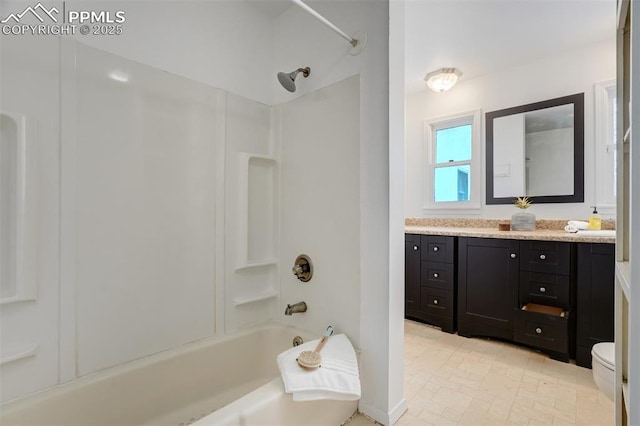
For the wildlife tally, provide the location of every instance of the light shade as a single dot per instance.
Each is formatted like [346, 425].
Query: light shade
[442, 79]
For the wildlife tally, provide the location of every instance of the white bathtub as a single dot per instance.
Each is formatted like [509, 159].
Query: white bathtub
[236, 375]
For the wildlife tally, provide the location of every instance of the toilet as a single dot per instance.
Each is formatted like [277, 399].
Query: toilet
[603, 367]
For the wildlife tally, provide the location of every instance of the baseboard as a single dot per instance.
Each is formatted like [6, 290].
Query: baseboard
[387, 419]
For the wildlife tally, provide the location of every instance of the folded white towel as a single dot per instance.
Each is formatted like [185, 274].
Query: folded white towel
[337, 377]
[598, 233]
[571, 228]
[580, 224]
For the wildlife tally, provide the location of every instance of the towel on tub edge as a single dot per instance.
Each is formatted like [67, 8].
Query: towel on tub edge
[337, 378]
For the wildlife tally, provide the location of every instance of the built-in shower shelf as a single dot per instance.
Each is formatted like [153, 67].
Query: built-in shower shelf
[258, 202]
[259, 264]
[243, 300]
[17, 299]
[18, 201]
[16, 355]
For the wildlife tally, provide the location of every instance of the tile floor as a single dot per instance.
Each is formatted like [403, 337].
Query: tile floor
[453, 380]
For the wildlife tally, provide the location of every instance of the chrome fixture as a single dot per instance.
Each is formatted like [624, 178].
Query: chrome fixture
[288, 80]
[297, 341]
[296, 308]
[303, 268]
[358, 41]
[442, 79]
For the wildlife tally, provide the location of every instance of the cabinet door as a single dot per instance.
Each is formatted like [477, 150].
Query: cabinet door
[595, 298]
[487, 286]
[412, 273]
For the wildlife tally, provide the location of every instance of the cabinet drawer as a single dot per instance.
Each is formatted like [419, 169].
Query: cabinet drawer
[436, 301]
[546, 256]
[437, 248]
[546, 289]
[541, 330]
[438, 275]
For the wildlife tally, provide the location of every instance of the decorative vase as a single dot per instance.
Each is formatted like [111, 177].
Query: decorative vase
[523, 221]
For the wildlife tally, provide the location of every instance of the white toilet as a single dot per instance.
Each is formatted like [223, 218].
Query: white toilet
[603, 366]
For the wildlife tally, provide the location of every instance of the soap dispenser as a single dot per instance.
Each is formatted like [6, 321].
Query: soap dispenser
[595, 220]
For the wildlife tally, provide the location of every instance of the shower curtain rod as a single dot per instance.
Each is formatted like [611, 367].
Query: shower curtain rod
[352, 41]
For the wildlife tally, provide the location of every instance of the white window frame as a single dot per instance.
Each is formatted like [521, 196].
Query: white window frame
[605, 147]
[473, 206]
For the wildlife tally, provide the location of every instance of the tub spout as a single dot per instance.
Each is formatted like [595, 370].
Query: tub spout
[295, 308]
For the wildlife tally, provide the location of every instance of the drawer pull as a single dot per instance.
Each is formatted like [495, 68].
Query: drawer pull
[543, 290]
[543, 257]
[436, 248]
[513, 255]
[436, 275]
[538, 330]
[416, 248]
[435, 301]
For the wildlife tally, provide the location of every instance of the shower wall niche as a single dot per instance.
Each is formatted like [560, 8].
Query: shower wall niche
[258, 190]
[17, 195]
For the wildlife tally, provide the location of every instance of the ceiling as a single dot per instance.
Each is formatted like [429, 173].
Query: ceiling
[271, 8]
[482, 36]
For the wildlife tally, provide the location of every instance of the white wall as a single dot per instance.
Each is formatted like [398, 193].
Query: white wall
[226, 44]
[299, 41]
[569, 73]
[549, 174]
[140, 169]
[145, 206]
[29, 87]
[247, 131]
[320, 152]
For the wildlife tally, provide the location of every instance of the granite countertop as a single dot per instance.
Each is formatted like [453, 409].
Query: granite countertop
[546, 230]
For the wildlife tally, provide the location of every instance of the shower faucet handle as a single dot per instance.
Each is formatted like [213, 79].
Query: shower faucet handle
[303, 268]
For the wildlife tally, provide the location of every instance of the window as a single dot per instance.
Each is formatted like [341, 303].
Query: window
[452, 147]
[605, 112]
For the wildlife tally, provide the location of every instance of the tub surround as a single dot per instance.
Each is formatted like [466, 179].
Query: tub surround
[546, 229]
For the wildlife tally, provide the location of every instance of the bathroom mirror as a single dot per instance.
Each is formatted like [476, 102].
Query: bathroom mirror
[536, 150]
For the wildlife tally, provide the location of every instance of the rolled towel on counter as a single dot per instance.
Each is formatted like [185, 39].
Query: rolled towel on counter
[570, 228]
[579, 224]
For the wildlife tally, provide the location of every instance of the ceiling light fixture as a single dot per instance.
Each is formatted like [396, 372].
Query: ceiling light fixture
[442, 79]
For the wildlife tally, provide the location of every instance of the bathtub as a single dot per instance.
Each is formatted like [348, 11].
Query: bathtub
[232, 380]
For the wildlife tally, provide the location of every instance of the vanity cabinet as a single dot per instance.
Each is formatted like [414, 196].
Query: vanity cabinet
[516, 290]
[544, 318]
[595, 298]
[556, 297]
[430, 278]
[411, 275]
[487, 286]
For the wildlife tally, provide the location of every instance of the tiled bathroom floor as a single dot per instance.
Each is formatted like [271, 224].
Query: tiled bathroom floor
[453, 380]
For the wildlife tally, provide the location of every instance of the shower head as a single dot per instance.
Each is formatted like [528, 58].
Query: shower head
[288, 80]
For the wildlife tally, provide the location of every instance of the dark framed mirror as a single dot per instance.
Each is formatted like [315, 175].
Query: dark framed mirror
[536, 150]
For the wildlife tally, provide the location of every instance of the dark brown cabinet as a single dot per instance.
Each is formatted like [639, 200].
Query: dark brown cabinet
[595, 298]
[545, 316]
[487, 286]
[516, 290]
[411, 274]
[430, 278]
[556, 297]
